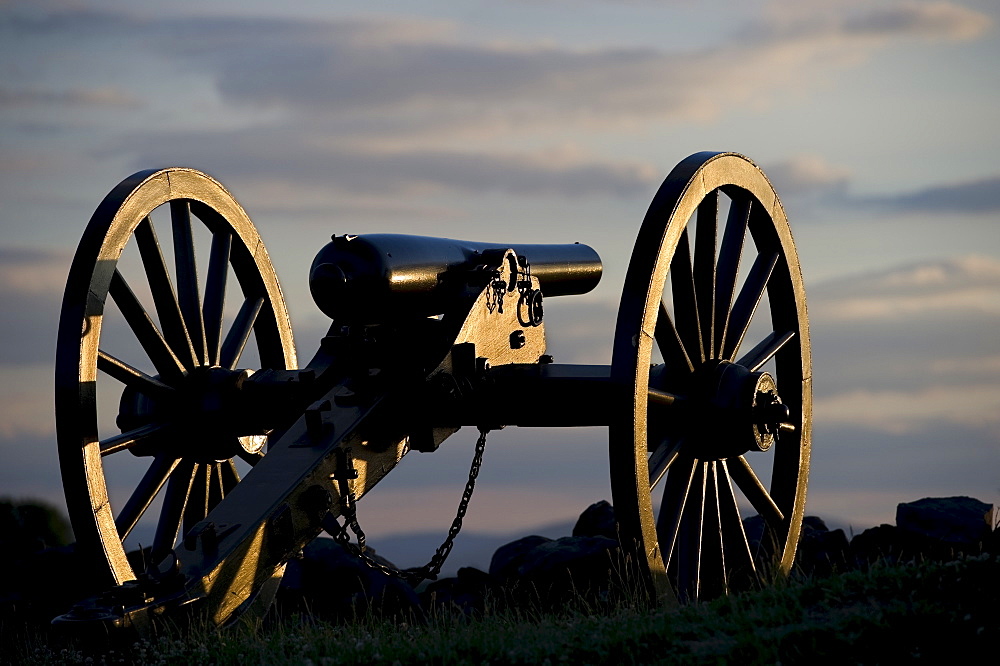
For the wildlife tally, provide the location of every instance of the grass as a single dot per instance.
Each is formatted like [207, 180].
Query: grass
[925, 612]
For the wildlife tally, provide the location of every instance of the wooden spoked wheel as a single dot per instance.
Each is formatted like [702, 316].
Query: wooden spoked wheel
[719, 383]
[168, 398]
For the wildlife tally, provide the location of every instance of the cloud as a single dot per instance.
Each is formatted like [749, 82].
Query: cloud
[377, 106]
[935, 21]
[902, 412]
[77, 97]
[33, 281]
[26, 401]
[297, 158]
[807, 175]
[962, 285]
[974, 197]
[978, 367]
[433, 78]
[418, 75]
[812, 177]
[910, 328]
[31, 466]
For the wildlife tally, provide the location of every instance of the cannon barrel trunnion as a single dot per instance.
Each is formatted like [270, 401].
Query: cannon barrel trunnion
[179, 400]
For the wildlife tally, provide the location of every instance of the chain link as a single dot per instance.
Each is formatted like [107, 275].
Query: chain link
[348, 509]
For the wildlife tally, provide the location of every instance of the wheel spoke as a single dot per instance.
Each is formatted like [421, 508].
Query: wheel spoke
[133, 378]
[230, 476]
[669, 342]
[216, 488]
[705, 240]
[174, 501]
[215, 292]
[196, 507]
[729, 265]
[682, 288]
[164, 297]
[187, 274]
[689, 546]
[238, 335]
[712, 581]
[765, 350]
[747, 302]
[661, 460]
[675, 494]
[739, 558]
[132, 437]
[747, 480]
[145, 492]
[145, 330]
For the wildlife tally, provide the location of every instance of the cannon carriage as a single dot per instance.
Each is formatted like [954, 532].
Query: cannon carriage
[244, 457]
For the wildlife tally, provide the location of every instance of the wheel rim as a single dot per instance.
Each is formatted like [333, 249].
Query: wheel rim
[707, 427]
[189, 345]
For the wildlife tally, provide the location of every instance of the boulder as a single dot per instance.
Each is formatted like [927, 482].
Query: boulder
[963, 523]
[878, 544]
[508, 560]
[822, 551]
[466, 593]
[559, 570]
[331, 583]
[597, 520]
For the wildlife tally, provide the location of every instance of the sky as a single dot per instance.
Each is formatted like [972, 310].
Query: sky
[548, 121]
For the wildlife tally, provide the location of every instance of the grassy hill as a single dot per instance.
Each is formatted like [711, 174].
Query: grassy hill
[929, 612]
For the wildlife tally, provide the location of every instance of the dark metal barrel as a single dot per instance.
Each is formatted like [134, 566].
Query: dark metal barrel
[385, 277]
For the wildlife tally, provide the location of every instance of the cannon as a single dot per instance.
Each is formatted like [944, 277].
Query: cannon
[202, 412]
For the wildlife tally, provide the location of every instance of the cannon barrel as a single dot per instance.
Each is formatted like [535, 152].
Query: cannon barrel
[383, 277]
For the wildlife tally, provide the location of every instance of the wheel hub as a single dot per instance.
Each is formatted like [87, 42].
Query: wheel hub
[734, 410]
[206, 416]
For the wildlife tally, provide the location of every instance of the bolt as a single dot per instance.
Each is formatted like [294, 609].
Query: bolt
[535, 308]
[317, 498]
[770, 416]
[314, 418]
[517, 339]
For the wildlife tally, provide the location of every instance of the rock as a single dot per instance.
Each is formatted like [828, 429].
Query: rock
[333, 584]
[761, 540]
[962, 523]
[583, 556]
[556, 571]
[467, 592]
[597, 520]
[508, 560]
[885, 543]
[821, 550]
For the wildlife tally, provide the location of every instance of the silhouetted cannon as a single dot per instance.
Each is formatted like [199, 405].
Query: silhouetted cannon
[169, 397]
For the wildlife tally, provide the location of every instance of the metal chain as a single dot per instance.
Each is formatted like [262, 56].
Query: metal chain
[429, 571]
